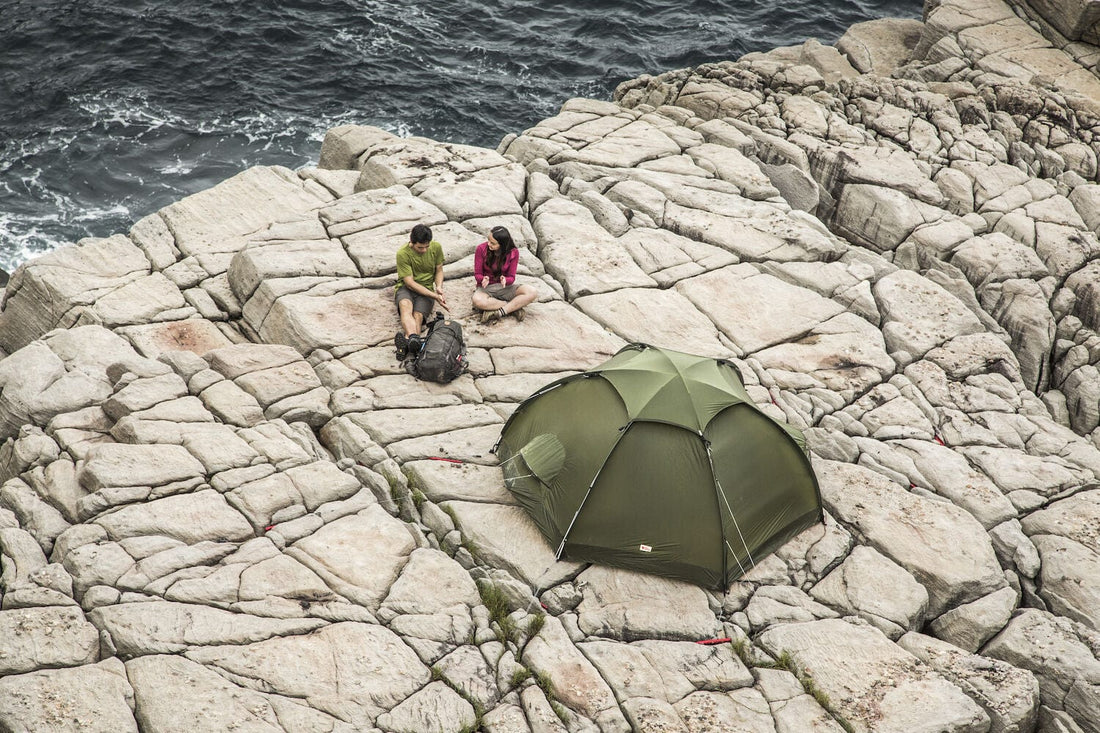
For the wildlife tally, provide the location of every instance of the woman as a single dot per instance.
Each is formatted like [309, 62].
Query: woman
[497, 294]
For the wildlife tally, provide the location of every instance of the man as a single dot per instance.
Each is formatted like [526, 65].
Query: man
[419, 287]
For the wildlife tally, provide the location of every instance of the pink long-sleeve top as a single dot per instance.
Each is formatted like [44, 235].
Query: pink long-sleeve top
[482, 271]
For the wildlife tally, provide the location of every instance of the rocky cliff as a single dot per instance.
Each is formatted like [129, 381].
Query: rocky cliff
[222, 506]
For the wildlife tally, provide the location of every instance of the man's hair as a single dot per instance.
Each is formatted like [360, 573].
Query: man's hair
[421, 233]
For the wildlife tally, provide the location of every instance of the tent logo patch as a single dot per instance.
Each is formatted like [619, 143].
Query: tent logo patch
[645, 548]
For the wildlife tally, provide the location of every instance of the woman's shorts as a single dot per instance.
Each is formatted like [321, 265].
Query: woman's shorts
[501, 292]
[421, 303]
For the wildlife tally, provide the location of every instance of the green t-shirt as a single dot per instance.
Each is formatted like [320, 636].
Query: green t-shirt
[420, 266]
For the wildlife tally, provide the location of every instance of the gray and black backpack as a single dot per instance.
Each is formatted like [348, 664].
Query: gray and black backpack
[442, 355]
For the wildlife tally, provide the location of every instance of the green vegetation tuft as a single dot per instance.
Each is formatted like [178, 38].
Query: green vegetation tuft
[418, 499]
[559, 710]
[520, 676]
[497, 603]
[545, 684]
[535, 624]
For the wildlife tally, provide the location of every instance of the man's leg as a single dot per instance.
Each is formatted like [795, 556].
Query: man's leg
[410, 320]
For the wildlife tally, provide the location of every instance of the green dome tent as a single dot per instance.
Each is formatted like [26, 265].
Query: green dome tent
[659, 461]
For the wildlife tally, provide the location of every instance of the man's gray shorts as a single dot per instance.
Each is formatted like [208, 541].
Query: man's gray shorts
[501, 292]
[421, 303]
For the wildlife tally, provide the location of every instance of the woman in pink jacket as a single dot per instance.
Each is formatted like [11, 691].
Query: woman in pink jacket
[497, 293]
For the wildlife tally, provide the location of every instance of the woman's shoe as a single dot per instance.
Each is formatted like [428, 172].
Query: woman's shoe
[520, 313]
[489, 316]
[401, 345]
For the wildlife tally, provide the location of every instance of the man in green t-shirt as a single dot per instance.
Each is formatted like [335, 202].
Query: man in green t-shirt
[419, 287]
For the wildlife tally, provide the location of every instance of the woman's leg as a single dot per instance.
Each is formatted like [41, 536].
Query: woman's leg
[525, 295]
[484, 301]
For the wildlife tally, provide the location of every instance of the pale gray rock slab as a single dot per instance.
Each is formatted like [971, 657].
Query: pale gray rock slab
[580, 254]
[96, 564]
[972, 624]
[344, 144]
[541, 717]
[1013, 470]
[912, 531]
[466, 668]
[802, 713]
[309, 321]
[231, 404]
[1069, 578]
[430, 583]
[729, 164]
[22, 556]
[873, 586]
[515, 387]
[435, 708]
[743, 710]
[626, 605]
[652, 714]
[390, 426]
[506, 718]
[359, 556]
[196, 335]
[615, 144]
[393, 391]
[42, 293]
[215, 219]
[1061, 655]
[1074, 518]
[118, 464]
[259, 261]
[175, 694]
[36, 386]
[843, 354]
[506, 538]
[668, 257]
[239, 360]
[269, 386]
[577, 684]
[335, 669]
[880, 46]
[203, 515]
[491, 192]
[282, 577]
[161, 627]
[143, 300]
[280, 444]
[630, 674]
[370, 209]
[142, 394]
[443, 481]
[95, 697]
[155, 566]
[851, 662]
[919, 315]
[218, 448]
[465, 444]
[657, 317]
[703, 667]
[779, 311]
[40, 519]
[1008, 694]
[780, 604]
[46, 637]
[949, 474]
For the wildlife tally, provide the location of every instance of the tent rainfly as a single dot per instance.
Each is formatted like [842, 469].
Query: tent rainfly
[659, 461]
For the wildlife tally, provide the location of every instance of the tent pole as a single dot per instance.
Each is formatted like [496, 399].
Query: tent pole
[564, 537]
[722, 493]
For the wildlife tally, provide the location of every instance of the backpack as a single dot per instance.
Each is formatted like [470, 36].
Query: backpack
[442, 355]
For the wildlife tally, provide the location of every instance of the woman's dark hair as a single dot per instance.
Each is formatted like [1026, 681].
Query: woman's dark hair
[421, 233]
[494, 261]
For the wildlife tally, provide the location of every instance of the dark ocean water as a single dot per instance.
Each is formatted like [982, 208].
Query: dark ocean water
[111, 109]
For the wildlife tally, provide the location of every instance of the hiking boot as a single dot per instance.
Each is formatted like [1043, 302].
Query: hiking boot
[520, 313]
[415, 344]
[401, 345]
[490, 316]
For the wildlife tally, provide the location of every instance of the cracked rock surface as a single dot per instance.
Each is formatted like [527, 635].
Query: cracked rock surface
[221, 500]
